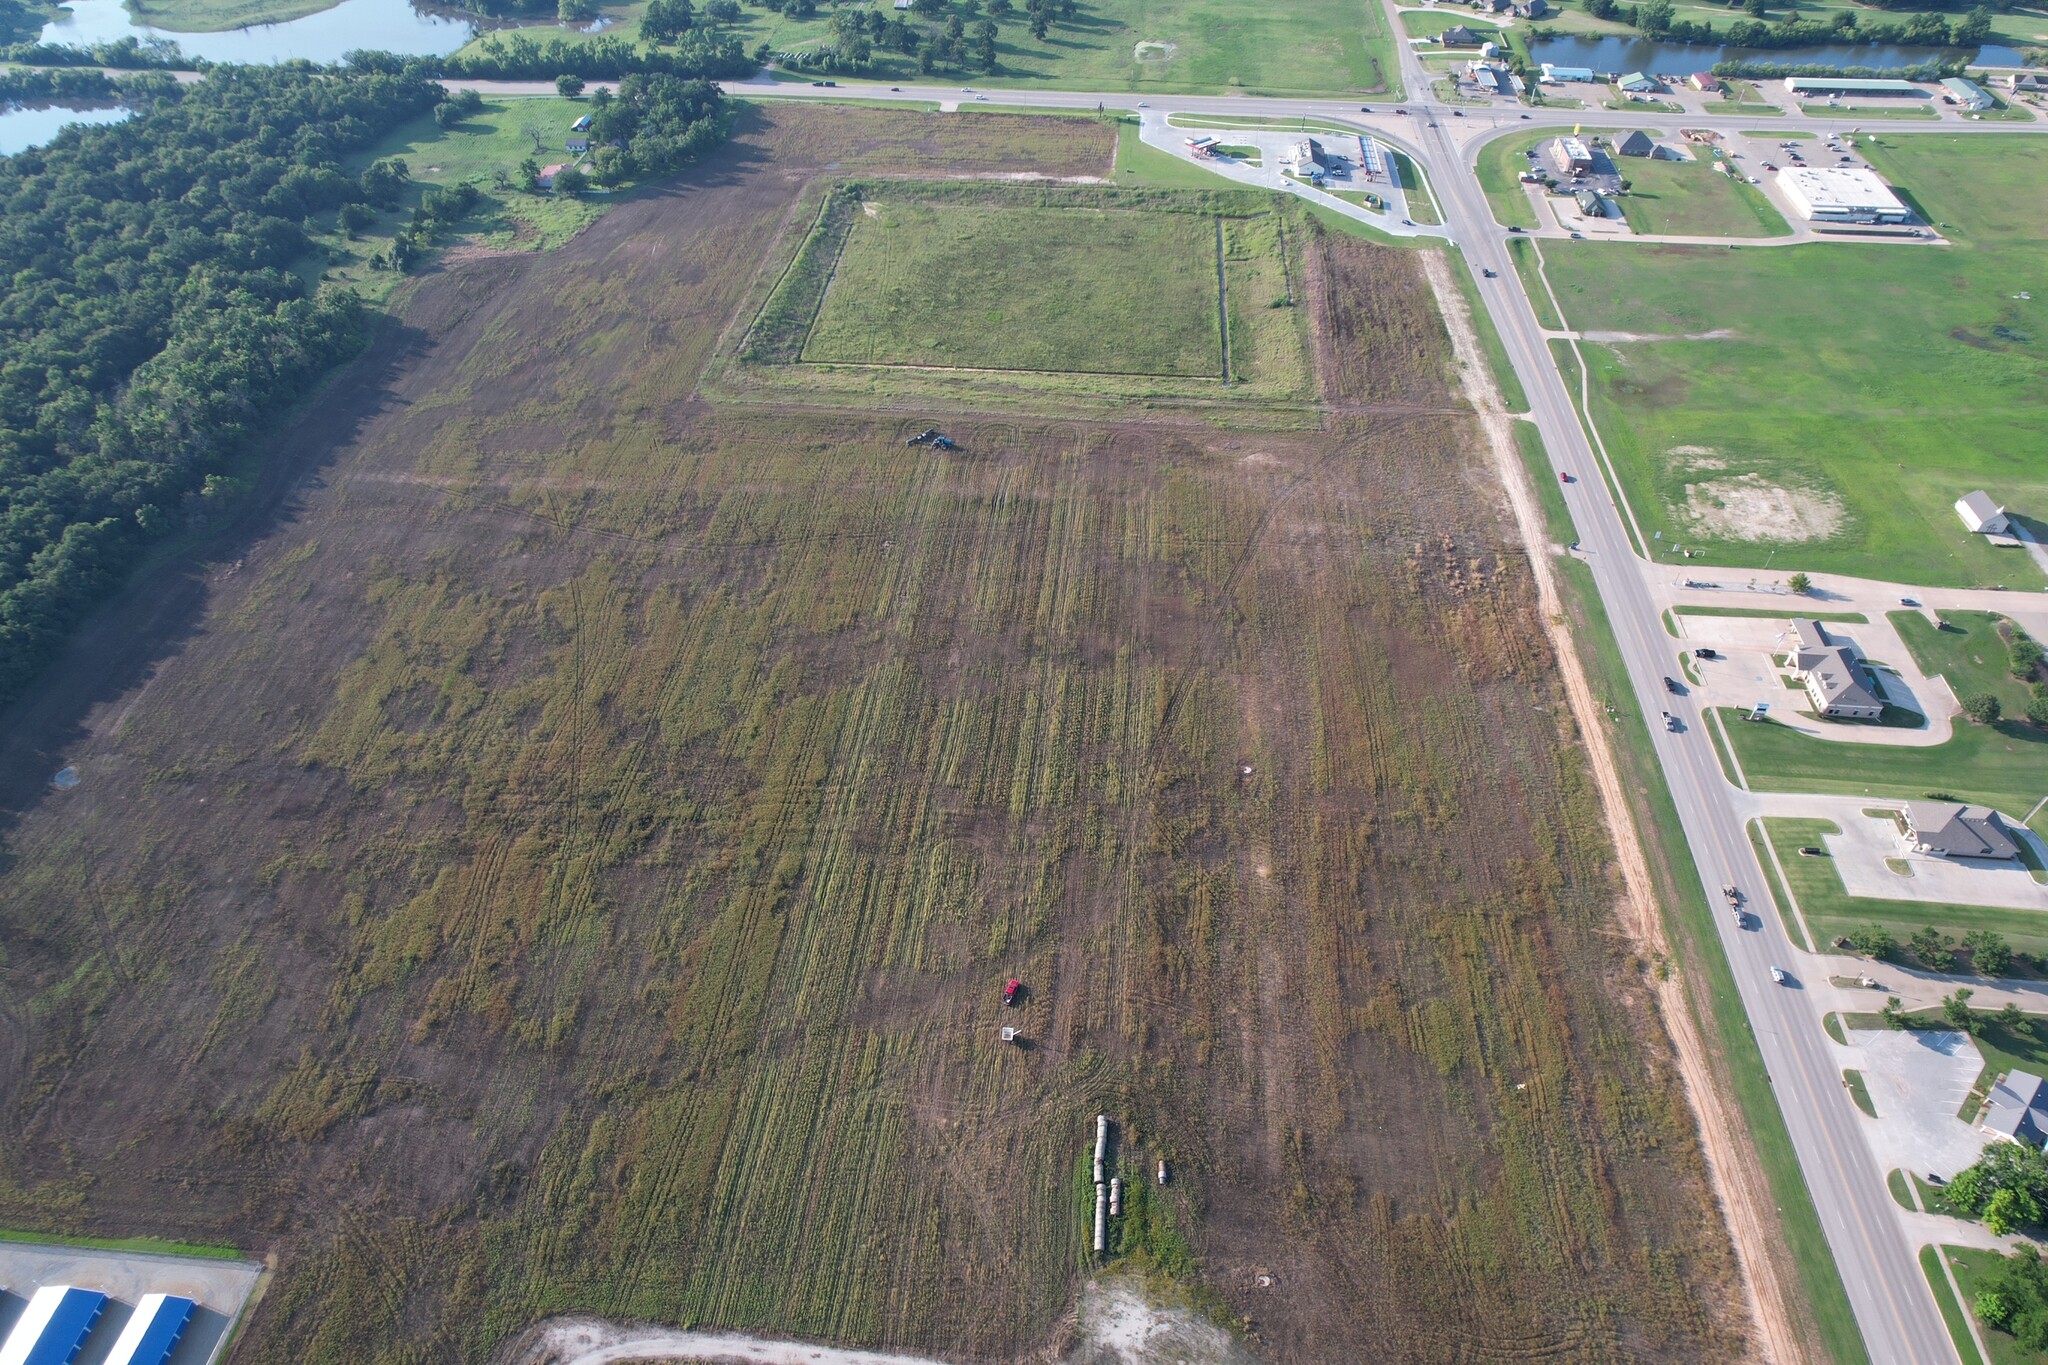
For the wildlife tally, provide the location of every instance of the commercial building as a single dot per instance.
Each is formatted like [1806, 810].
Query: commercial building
[2017, 1109]
[1833, 676]
[1843, 87]
[55, 1324]
[1841, 195]
[2025, 83]
[1945, 829]
[1636, 83]
[1570, 156]
[1560, 75]
[152, 1334]
[1980, 513]
[1970, 96]
[1704, 80]
[1494, 79]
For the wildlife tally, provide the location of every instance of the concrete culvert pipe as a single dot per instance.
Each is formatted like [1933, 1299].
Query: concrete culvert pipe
[1101, 1217]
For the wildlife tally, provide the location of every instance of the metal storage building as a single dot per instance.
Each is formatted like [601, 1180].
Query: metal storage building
[1831, 195]
[55, 1324]
[1845, 85]
[153, 1333]
[1968, 94]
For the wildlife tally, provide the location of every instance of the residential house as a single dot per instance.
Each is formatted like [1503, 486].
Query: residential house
[1637, 143]
[1533, 9]
[548, 174]
[1460, 36]
[1836, 681]
[2017, 1109]
[1980, 513]
[579, 143]
[1946, 829]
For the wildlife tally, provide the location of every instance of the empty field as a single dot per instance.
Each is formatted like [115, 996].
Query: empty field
[1692, 199]
[568, 857]
[1758, 417]
[1013, 288]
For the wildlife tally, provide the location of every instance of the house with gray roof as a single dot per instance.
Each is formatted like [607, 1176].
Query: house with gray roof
[2017, 1109]
[1980, 513]
[1947, 829]
[1637, 143]
[1836, 681]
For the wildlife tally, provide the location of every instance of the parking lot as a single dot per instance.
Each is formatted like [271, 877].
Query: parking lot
[1917, 1081]
[220, 1289]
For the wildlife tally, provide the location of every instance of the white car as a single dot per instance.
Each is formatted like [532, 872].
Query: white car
[1778, 975]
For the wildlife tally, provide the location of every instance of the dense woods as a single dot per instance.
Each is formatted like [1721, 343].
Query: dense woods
[151, 319]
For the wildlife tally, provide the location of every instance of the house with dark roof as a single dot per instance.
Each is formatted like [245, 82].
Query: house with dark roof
[1637, 143]
[2017, 1109]
[1533, 9]
[1947, 829]
[1836, 681]
[1460, 36]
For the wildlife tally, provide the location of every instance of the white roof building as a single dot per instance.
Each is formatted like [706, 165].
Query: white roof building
[1841, 195]
[1980, 513]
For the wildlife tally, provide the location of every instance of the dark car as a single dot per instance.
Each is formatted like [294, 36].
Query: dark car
[1705, 654]
[1457, 113]
[1670, 684]
[1487, 273]
[1525, 117]
[1514, 229]
[1365, 108]
[1811, 852]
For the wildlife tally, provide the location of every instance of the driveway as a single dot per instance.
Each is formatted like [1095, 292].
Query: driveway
[1917, 1081]
[1752, 671]
[1859, 852]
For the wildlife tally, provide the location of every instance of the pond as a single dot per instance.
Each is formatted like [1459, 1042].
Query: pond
[1619, 54]
[385, 25]
[31, 125]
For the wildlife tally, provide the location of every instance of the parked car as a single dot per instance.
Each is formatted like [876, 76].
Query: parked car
[1909, 602]
[1704, 653]
[1811, 852]
[1514, 229]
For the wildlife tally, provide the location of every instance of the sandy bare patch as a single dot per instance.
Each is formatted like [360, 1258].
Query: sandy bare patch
[1718, 334]
[1154, 52]
[1120, 1326]
[1747, 508]
[1693, 459]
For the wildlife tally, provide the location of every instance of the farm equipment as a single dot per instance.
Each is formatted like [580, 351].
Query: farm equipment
[1010, 991]
[943, 443]
[930, 436]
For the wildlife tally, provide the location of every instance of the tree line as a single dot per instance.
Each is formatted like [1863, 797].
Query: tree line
[1658, 19]
[151, 318]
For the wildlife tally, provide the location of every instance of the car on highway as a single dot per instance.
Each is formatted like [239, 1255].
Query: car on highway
[983, 97]
[1487, 273]
[1578, 236]
[1670, 683]
[1671, 722]
[1563, 477]
[1402, 112]
[1525, 118]
[1778, 975]
[1457, 113]
[1365, 108]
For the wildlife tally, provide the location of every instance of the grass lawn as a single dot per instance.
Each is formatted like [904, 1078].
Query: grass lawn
[1971, 654]
[1258, 121]
[212, 16]
[1430, 23]
[1920, 112]
[2003, 765]
[1870, 420]
[1012, 288]
[1972, 1266]
[1138, 164]
[1306, 47]
[1693, 198]
[1859, 1092]
[1421, 207]
[1831, 911]
[155, 1246]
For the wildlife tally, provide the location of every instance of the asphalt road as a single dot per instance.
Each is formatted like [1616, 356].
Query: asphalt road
[1892, 1303]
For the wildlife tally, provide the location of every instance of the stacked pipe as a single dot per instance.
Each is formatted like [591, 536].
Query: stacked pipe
[1101, 1188]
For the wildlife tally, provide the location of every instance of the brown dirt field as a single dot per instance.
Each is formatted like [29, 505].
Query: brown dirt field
[569, 864]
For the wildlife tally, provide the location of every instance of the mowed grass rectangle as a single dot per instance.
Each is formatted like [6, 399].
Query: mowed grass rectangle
[1692, 198]
[1008, 288]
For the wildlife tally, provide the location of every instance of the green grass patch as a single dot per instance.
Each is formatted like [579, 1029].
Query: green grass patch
[2003, 765]
[1970, 652]
[1421, 207]
[1918, 112]
[1878, 415]
[1710, 981]
[1523, 252]
[1853, 618]
[155, 1246]
[1258, 122]
[1902, 1192]
[214, 16]
[1139, 164]
[1693, 198]
[1831, 911]
[1787, 916]
[1951, 1311]
[1859, 1092]
[1006, 287]
[1831, 1023]
[1313, 47]
[1557, 518]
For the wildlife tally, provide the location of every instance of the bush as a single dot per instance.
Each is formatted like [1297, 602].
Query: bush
[1990, 954]
[568, 85]
[2004, 1166]
[2037, 711]
[1875, 941]
[1799, 583]
[2014, 1298]
[1982, 707]
[2026, 657]
[1935, 949]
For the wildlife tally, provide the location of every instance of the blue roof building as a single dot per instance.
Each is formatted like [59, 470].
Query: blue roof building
[55, 1324]
[153, 1333]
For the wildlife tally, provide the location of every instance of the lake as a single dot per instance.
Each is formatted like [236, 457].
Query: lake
[386, 25]
[31, 125]
[1618, 55]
